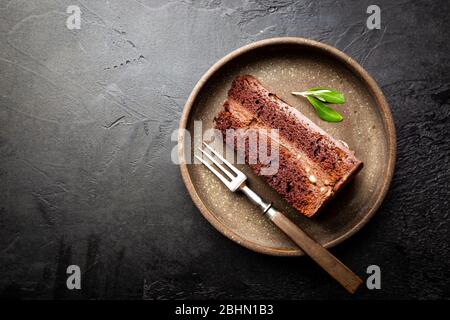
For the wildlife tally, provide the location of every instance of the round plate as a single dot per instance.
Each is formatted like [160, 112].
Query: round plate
[285, 65]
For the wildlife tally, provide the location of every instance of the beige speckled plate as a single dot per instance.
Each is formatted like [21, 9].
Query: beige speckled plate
[285, 65]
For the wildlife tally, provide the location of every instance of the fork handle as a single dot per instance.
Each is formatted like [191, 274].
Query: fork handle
[318, 253]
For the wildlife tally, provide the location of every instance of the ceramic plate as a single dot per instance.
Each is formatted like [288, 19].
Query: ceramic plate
[284, 65]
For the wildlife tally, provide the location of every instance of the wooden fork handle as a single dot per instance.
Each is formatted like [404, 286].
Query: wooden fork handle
[319, 254]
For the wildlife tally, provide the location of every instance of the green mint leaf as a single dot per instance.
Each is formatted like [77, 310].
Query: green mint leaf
[327, 95]
[324, 95]
[324, 112]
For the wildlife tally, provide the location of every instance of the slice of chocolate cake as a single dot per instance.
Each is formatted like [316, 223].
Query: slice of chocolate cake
[313, 166]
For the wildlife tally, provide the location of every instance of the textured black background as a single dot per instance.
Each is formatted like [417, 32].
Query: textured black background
[85, 171]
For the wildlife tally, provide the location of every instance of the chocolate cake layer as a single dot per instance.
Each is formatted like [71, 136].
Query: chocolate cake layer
[313, 166]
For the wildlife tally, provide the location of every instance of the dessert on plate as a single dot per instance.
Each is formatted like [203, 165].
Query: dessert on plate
[312, 166]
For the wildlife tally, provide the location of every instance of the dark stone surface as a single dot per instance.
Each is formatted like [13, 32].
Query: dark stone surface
[85, 171]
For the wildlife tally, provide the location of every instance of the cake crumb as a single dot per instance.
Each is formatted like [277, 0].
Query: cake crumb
[345, 144]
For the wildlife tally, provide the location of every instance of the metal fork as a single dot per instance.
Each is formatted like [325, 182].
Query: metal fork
[234, 179]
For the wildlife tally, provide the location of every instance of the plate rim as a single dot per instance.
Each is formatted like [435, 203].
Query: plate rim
[355, 68]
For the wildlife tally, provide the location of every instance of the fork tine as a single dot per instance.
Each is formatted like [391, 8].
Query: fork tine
[223, 159]
[217, 164]
[220, 176]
